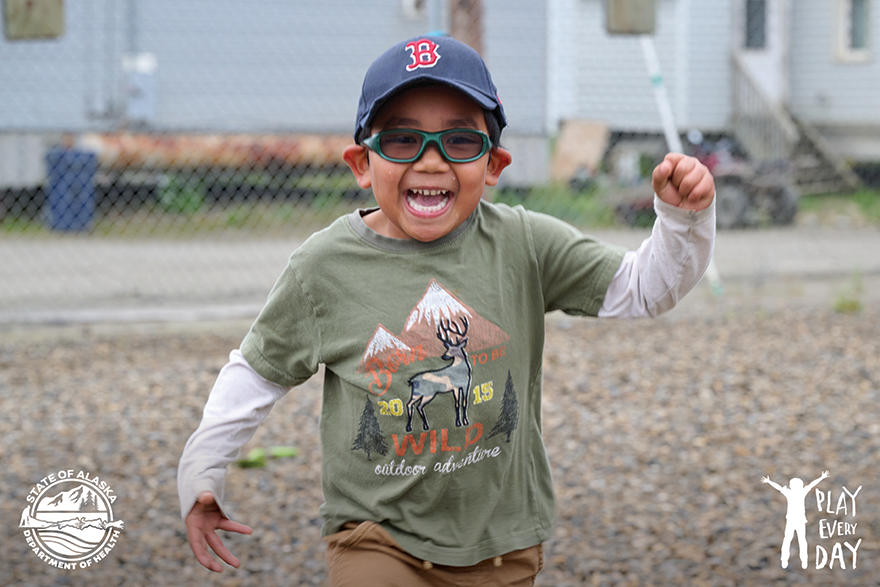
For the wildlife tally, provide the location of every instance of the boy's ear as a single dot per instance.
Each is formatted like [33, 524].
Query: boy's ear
[358, 160]
[498, 159]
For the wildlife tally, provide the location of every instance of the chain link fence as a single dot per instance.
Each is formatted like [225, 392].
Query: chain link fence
[172, 154]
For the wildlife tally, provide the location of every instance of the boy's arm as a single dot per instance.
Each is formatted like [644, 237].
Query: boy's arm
[653, 278]
[240, 400]
[668, 265]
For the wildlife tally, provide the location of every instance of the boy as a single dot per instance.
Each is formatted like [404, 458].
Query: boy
[428, 314]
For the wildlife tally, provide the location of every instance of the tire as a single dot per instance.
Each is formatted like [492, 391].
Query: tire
[731, 205]
[784, 206]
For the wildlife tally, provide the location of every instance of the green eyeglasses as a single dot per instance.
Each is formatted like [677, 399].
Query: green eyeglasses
[458, 145]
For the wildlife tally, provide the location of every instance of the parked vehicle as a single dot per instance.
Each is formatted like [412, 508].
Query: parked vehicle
[746, 193]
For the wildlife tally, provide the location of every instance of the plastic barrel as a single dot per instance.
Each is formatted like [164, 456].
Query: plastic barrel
[70, 201]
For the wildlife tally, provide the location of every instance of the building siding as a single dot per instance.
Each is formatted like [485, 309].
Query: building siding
[612, 81]
[600, 77]
[515, 41]
[825, 90]
[231, 66]
[708, 45]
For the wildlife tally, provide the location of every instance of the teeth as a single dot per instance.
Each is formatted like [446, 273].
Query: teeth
[411, 200]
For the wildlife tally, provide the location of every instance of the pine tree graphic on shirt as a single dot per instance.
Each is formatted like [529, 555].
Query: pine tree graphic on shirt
[369, 437]
[509, 417]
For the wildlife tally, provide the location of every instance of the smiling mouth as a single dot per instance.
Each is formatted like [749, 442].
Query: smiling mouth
[428, 201]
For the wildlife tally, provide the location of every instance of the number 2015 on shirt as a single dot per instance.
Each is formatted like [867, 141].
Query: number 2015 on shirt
[482, 393]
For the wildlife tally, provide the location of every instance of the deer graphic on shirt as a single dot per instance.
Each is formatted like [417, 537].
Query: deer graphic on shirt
[455, 378]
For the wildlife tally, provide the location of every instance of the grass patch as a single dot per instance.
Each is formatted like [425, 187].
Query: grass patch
[849, 298]
[21, 225]
[182, 211]
[869, 203]
[584, 209]
[226, 205]
[864, 204]
[182, 219]
[181, 196]
[257, 219]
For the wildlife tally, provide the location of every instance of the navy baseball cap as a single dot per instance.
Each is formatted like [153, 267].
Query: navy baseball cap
[421, 60]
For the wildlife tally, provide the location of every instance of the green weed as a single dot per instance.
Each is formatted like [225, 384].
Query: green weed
[849, 298]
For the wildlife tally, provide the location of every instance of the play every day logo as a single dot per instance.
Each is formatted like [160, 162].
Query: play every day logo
[842, 528]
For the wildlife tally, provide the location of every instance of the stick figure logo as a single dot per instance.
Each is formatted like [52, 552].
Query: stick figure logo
[424, 54]
[69, 520]
[795, 515]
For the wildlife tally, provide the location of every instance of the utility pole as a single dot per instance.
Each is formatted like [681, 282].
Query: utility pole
[466, 22]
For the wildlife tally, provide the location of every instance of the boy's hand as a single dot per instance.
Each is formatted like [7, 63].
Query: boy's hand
[202, 520]
[684, 182]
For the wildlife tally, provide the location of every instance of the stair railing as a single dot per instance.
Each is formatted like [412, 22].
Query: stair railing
[763, 127]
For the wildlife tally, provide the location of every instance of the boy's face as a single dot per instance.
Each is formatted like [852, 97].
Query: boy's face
[430, 197]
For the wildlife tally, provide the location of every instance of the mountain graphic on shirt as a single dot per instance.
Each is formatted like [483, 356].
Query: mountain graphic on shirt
[436, 304]
[384, 348]
[419, 337]
[439, 305]
[383, 342]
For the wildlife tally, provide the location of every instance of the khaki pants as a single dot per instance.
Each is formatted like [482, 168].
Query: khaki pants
[365, 555]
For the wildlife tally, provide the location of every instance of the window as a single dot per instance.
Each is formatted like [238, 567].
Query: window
[858, 25]
[756, 24]
[853, 36]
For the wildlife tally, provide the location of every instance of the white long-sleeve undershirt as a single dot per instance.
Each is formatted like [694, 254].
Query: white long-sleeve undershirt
[667, 265]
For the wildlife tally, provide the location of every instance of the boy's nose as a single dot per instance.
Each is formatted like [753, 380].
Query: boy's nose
[431, 160]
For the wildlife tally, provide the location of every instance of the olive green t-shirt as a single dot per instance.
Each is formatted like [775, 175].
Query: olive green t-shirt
[431, 415]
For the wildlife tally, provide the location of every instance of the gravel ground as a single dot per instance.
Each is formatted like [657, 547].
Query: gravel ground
[658, 432]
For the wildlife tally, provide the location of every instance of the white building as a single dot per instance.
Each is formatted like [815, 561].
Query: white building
[786, 77]
[769, 71]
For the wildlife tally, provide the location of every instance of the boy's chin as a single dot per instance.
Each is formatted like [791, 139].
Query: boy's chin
[429, 234]
[428, 230]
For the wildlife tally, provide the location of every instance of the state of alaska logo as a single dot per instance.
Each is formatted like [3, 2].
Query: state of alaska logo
[69, 520]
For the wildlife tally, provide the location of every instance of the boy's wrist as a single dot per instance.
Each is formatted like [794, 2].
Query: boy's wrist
[668, 210]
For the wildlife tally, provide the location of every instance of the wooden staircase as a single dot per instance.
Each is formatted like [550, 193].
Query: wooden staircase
[817, 170]
[769, 133]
